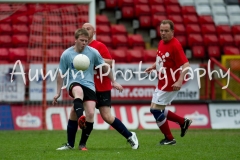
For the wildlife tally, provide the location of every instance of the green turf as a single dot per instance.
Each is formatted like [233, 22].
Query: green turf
[109, 145]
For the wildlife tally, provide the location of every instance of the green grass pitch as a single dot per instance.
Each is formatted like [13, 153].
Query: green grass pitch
[109, 145]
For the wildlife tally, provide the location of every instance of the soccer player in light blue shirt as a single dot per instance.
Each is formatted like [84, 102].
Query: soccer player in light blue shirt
[81, 88]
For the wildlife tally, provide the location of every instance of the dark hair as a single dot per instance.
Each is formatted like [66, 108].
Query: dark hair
[167, 21]
[81, 31]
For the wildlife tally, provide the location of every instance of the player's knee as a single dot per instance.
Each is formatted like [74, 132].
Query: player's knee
[158, 114]
[107, 118]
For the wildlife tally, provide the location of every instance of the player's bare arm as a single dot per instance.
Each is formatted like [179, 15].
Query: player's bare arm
[110, 76]
[149, 69]
[59, 88]
[177, 85]
[108, 61]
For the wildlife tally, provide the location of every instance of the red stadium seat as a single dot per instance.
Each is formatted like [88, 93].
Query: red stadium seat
[119, 55]
[193, 29]
[122, 3]
[17, 54]
[68, 40]
[33, 7]
[134, 55]
[188, 10]
[176, 18]
[53, 40]
[142, 9]
[35, 19]
[170, 2]
[102, 19]
[223, 29]
[231, 50]
[140, 2]
[120, 41]
[210, 39]
[173, 9]
[4, 54]
[5, 40]
[54, 19]
[103, 29]
[20, 28]
[145, 21]
[106, 39]
[81, 19]
[237, 40]
[182, 39]
[69, 29]
[226, 39]
[20, 20]
[19, 40]
[205, 19]
[68, 9]
[156, 2]
[236, 29]
[156, 19]
[179, 29]
[36, 28]
[195, 39]
[35, 53]
[54, 29]
[190, 19]
[157, 9]
[149, 55]
[198, 52]
[136, 41]
[5, 7]
[128, 12]
[54, 54]
[118, 29]
[214, 51]
[22, 8]
[69, 19]
[83, 9]
[36, 39]
[111, 4]
[208, 29]
[5, 28]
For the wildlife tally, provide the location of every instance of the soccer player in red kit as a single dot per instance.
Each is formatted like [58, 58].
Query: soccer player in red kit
[103, 92]
[170, 57]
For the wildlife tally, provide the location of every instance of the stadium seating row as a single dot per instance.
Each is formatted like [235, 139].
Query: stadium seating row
[32, 8]
[53, 54]
[121, 41]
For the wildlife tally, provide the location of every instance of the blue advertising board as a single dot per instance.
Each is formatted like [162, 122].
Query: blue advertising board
[6, 122]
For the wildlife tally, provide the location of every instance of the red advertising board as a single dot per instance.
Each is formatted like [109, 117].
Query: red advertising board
[133, 116]
[27, 117]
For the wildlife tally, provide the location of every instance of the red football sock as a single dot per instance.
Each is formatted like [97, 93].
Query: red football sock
[166, 130]
[175, 118]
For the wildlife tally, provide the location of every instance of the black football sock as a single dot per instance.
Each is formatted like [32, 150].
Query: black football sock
[78, 107]
[121, 128]
[86, 133]
[71, 132]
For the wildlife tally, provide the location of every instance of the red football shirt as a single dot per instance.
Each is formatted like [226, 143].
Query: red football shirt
[171, 56]
[105, 85]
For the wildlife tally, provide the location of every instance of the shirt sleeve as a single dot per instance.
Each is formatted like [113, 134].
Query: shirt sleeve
[62, 64]
[179, 55]
[98, 59]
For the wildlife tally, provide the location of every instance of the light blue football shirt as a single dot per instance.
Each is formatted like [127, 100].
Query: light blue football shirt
[66, 67]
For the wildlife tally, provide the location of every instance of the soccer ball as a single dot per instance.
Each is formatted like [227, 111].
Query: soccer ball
[81, 62]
